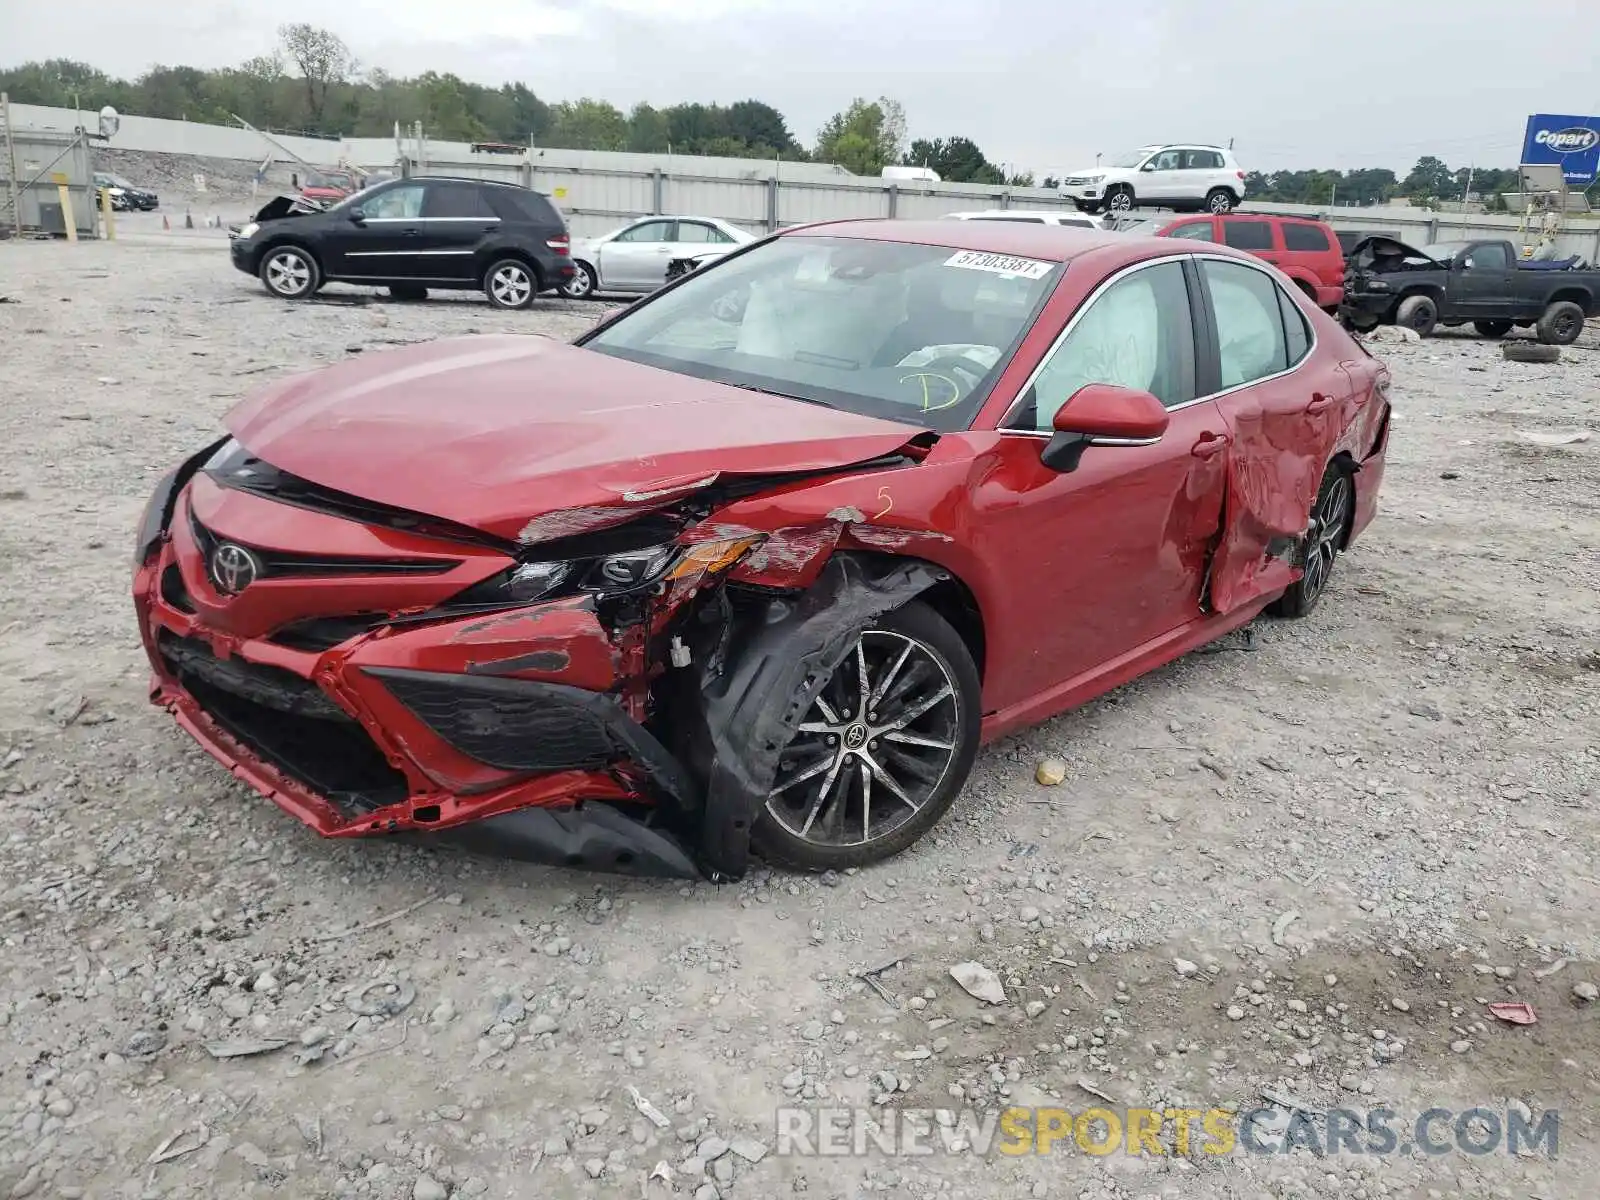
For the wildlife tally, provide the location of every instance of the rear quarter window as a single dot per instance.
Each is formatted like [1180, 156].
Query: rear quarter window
[520, 204]
[1300, 236]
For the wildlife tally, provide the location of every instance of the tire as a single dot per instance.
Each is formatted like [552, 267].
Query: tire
[583, 283]
[1330, 518]
[510, 283]
[1561, 324]
[1309, 292]
[1530, 352]
[290, 273]
[1418, 313]
[1361, 322]
[1220, 200]
[1086, 206]
[1120, 199]
[407, 292]
[947, 732]
[1492, 329]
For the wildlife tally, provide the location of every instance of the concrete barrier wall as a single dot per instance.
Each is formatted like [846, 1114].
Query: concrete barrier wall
[599, 190]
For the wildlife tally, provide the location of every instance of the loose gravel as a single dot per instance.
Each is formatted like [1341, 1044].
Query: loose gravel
[1301, 864]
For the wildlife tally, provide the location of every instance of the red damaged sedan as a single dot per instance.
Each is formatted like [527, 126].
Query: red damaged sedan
[758, 563]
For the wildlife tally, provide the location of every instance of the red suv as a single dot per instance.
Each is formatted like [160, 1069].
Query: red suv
[1305, 250]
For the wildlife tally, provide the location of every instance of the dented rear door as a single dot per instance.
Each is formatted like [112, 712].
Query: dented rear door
[1286, 403]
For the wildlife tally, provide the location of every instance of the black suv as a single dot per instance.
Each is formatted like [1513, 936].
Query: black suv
[410, 235]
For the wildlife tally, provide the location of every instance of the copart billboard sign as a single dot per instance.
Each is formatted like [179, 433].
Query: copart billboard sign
[1571, 143]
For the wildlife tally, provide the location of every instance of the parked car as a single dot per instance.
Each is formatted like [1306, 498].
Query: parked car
[410, 235]
[760, 560]
[329, 186]
[1453, 283]
[1074, 220]
[1204, 178]
[1304, 249]
[126, 197]
[634, 258]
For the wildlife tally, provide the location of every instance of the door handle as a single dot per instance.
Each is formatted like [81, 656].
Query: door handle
[410, 233]
[1209, 444]
[1320, 402]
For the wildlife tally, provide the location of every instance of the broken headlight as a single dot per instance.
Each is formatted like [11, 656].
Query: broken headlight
[605, 575]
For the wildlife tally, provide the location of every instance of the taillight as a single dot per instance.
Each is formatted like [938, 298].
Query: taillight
[1240, 174]
[561, 245]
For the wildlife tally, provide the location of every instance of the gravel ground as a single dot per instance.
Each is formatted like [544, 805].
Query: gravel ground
[1301, 864]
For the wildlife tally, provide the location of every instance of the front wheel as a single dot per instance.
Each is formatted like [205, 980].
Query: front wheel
[289, 273]
[1119, 200]
[1418, 313]
[510, 283]
[1331, 515]
[883, 751]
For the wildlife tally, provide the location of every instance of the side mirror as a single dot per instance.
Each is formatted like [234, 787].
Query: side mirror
[1103, 414]
[1149, 166]
[357, 217]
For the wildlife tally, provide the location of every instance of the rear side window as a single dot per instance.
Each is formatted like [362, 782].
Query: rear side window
[519, 204]
[1202, 160]
[1300, 236]
[456, 200]
[1247, 235]
[1249, 322]
[695, 231]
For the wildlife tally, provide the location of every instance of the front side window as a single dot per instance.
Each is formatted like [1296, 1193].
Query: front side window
[1167, 160]
[648, 231]
[1199, 231]
[1491, 256]
[1247, 235]
[1250, 334]
[1137, 333]
[397, 204]
[912, 333]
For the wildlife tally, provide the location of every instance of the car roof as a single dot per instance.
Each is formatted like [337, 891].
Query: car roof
[1046, 242]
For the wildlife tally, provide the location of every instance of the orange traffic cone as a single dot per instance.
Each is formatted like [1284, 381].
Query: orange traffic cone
[188, 220]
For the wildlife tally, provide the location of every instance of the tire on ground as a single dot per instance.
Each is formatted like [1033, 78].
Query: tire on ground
[1530, 352]
[777, 845]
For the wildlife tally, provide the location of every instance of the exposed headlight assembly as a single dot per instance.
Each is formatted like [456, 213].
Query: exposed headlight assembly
[248, 229]
[608, 575]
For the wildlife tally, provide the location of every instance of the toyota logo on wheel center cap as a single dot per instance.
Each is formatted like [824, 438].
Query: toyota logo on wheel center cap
[855, 737]
[233, 568]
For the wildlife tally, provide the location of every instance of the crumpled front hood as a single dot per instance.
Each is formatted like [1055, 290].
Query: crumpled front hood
[492, 432]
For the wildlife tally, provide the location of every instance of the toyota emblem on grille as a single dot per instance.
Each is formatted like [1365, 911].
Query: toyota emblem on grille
[233, 568]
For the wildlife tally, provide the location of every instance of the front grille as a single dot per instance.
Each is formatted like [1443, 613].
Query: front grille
[515, 725]
[274, 713]
[283, 564]
[316, 634]
[174, 592]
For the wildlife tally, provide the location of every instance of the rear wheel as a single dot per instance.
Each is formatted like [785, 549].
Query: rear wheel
[1331, 514]
[883, 751]
[1418, 313]
[289, 273]
[1561, 323]
[510, 283]
[1219, 200]
[1492, 329]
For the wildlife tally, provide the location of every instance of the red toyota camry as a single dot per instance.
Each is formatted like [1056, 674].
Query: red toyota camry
[761, 561]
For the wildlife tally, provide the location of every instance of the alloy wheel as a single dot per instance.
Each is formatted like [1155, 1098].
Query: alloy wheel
[874, 747]
[1219, 203]
[1329, 519]
[580, 285]
[510, 285]
[1120, 201]
[288, 274]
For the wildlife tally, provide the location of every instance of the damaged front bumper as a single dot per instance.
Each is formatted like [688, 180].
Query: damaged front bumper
[524, 732]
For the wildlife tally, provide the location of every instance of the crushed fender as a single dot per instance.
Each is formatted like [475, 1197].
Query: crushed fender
[779, 660]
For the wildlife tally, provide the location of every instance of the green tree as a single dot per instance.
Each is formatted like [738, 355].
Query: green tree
[957, 160]
[647, 130]
[1429, 178]
[761, 127]
[322, 59]
[864, 138]
[587, 125]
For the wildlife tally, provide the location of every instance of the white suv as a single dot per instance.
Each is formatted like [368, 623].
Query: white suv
[1205, 178]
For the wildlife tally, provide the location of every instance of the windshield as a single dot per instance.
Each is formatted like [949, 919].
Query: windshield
[1149, 227]
[906, 332]
[1132, 159]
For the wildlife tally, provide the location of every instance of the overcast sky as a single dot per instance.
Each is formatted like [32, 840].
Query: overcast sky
[1035, 83]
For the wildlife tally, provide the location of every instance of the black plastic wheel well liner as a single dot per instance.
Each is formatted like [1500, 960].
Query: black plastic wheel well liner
[784, 655]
